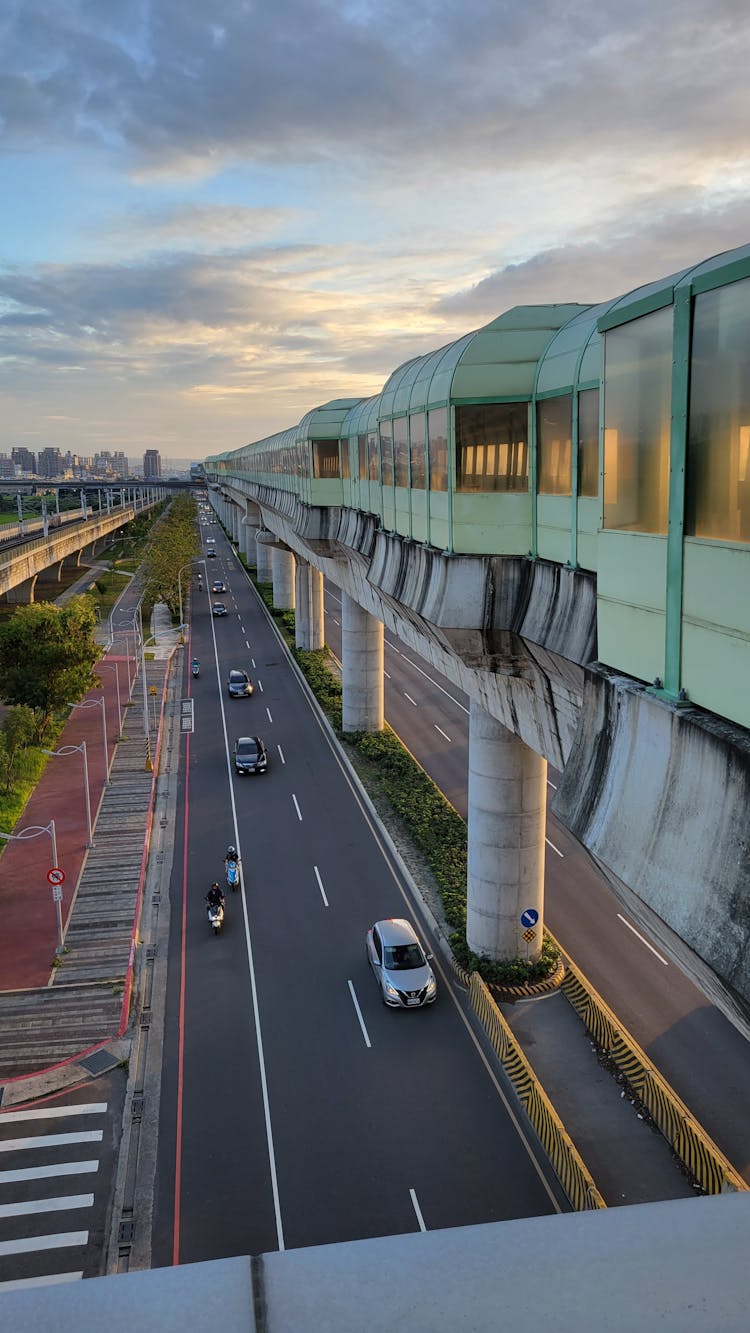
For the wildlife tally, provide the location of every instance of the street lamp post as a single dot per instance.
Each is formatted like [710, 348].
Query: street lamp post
[117, 684]
[74, 749]
[149, 764]
[99, 703]
[33, 831]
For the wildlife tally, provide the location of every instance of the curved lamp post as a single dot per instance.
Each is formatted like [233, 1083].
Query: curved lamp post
[33, 831]
[113, 666]
[75, 749]
[99, 703]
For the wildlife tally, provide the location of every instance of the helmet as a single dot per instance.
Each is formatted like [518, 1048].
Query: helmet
[231, 852]
[215, 885]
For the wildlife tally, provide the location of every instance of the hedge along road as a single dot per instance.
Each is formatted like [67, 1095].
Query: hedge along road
[296, 1110]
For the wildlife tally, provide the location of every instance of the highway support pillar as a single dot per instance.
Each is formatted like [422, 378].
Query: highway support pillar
[362, 668]
[282, 565]
[507, 809]
[264, 541]
[309, 628]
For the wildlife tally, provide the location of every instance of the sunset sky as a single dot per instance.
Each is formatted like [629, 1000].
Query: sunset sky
[215, 216]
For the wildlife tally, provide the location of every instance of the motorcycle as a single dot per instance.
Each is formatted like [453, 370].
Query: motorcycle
[195, 667]
[233, 875]
[215, 916]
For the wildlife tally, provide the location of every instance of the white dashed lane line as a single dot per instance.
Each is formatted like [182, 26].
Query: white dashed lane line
[355, 1002]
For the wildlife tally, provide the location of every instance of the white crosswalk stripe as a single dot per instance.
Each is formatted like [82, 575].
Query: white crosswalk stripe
[45, 1219]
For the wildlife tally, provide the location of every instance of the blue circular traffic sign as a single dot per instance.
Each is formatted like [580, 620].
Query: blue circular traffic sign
[529, 917]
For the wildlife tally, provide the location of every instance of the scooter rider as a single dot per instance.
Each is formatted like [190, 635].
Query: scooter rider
[215, 897]
[231, 855]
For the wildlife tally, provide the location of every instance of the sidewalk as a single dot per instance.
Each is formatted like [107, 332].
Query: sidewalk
[49, 1013]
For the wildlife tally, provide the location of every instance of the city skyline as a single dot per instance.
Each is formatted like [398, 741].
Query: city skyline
[212, 224]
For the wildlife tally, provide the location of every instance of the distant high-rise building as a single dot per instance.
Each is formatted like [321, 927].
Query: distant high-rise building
[50, 463]
[24, 459]
[7, 467]
[151, 465]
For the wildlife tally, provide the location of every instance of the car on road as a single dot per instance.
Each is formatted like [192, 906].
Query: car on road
[400, 964]
[218, 585]
[239, 685]
[250, 755]
[210, 553]
[219, 609]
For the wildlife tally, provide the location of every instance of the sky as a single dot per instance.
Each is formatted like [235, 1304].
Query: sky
[215, 216]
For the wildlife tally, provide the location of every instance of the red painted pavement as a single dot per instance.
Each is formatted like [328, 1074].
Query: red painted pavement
[28, 919]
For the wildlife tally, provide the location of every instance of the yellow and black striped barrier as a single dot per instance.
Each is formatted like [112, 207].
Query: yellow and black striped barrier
[567, 1162]
[689, 1140]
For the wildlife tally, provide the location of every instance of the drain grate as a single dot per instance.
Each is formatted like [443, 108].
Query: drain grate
[99, 1062]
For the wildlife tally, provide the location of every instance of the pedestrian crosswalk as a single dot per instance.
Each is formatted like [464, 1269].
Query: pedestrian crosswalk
[49, 1164]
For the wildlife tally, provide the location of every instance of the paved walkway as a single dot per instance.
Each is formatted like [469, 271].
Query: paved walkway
[49, 1012]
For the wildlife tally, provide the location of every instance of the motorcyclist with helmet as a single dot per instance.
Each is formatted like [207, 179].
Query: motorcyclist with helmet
[215, 897]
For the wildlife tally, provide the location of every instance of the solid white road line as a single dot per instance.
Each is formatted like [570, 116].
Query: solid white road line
[27, 1244]
[296, 806]
[417, 1210]
[47, 1280]
[45, 1172]
[51, 1140]
[411, 701]
[442, 733]
[268, 714]
[281, 754]
[58, 1205]
[554, 848]
[49, 1113]
[320, 885]
[643, 941]
[353, 994]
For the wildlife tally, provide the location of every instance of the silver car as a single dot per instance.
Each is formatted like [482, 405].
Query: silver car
[402, 968]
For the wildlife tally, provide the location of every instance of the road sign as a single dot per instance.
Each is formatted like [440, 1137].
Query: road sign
[529, 935]
[529, 917]
[56, 875]
[57, 893]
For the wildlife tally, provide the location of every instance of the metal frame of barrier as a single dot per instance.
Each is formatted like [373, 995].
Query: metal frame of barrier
[692, 1144]
[567, 1162]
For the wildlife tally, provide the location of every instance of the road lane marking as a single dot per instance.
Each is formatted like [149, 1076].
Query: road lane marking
[411, 701]
[431, 679]
[551, 784]
[281, 754]
[554, 848]
[252, 659]
[260, 685]
[320, 885]
[247, 645]
[44, 1172]
[442, 733]
[46, 1205]
[299, 816]
[643, 941]
[385, 673]
[268, 715]
[417, 1210]
[355, 1002]
[335, 621]
[51, 1140]
[27, 1244]
[51, 1113]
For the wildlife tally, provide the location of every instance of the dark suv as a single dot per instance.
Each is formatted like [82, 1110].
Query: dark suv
[239, 685]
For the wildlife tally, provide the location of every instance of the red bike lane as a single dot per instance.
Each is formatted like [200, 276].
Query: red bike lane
[29, 932]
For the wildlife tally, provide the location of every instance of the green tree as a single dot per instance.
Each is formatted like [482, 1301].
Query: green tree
[16, 733]
[47, 655]
[173, 544]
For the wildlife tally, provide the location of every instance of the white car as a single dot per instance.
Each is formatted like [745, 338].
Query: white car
[402, 968]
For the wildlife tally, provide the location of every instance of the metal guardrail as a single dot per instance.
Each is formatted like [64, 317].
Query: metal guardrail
[567, 1162]
[694, 1147]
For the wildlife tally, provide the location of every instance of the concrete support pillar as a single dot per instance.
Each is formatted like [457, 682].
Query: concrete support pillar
[362, 668]
[22, 593]
[236, 516]
[263, 548]
[309, 627]
[506, 826]
[248, 530]
[282, 565]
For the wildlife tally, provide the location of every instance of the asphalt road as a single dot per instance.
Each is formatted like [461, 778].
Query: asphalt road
[296, 1110]
[704, 1057]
